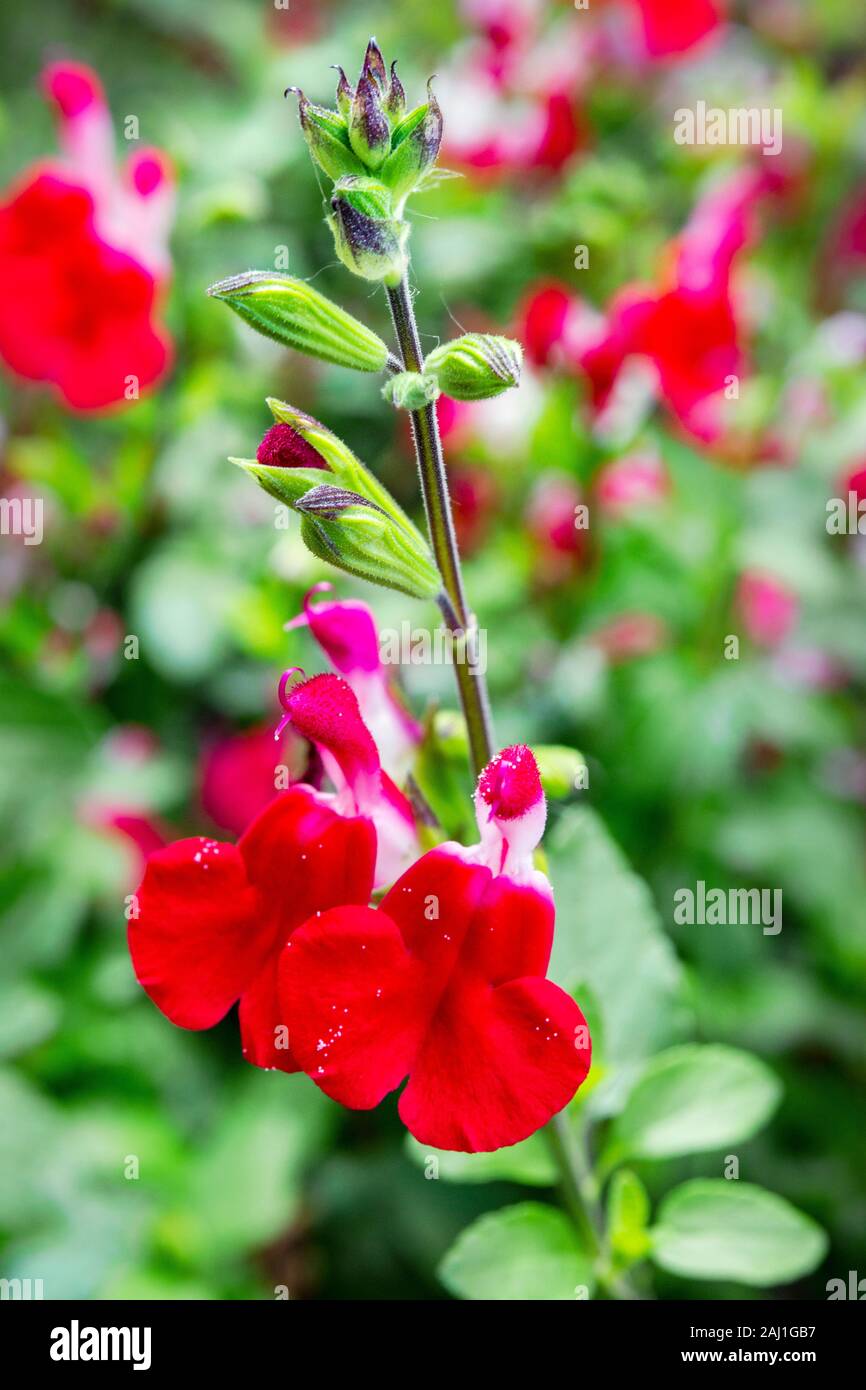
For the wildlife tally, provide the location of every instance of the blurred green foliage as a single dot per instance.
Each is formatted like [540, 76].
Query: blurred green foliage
[140, 1161]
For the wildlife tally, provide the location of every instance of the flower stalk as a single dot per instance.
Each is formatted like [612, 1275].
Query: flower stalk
[471, 683]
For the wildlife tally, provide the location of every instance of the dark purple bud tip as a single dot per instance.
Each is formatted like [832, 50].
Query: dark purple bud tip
[283, 447]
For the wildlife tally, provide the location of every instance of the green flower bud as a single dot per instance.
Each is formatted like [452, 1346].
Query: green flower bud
[298, 316]
[305, 466]
[327, 135]
[354, 534]
[411, 390]
[476, 366]
[337, 458]
[369, 130]
[368, 238]
[415, 145]
[562, 770]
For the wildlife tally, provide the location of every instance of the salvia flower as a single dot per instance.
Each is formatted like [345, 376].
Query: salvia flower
[445, 983]
[345, 629]
[84, 259]
[213, 917]
[299, 317]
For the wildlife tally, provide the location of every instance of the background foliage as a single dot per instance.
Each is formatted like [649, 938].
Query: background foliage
[741, 773]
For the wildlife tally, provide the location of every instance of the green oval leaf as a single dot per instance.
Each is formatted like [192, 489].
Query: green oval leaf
[713, 1229]
[524, 1252]
[694, 1098]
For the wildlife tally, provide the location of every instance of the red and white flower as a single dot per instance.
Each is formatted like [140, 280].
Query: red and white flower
[214, 917]
[445, 983]
[346, 631]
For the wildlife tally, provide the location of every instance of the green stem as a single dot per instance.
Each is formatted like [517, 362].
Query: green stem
[559, 1140]
[580, 1194]
[440, 524]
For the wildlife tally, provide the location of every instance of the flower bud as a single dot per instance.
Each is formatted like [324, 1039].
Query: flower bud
[298, 316]
[374, 65]
[349, 531]
[345, 94]
[369, 131]
[476, 366]
[411, 390]
[327, 135]
[368, 238]
[415, 145]
[306, 467]
[395, 97]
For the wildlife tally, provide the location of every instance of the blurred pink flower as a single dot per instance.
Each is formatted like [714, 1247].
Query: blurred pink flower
[630, 635]
[768, 609]
[552, 514]
[514, 90]
[632, 481]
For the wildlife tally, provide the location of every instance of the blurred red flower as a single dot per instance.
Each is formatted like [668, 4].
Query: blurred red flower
[83, 258]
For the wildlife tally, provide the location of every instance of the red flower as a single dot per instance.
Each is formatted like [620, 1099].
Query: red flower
[445, 983]
[345, 629]
[213, 917]
[674, 28]
[684, 330]
[238, 776]
[552, 522]
[83, 258]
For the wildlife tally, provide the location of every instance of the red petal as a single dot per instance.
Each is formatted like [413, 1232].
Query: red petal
[352, 995]
[305, 857]
[325, 710]
[434, 903]
[495, 1065]
[512, 933]
[264, 1034]
[201, 935]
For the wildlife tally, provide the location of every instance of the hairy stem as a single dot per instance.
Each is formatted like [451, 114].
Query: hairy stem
[440, 524]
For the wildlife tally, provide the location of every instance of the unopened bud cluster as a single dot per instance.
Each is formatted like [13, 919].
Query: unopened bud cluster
[376, 154]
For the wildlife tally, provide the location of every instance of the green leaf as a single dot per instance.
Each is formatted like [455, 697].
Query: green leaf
[529, 1162]
[694, 1098]
[713, 1229]
[608, 933]
[628, 1212]
[525, 1252]
[245, 1186]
